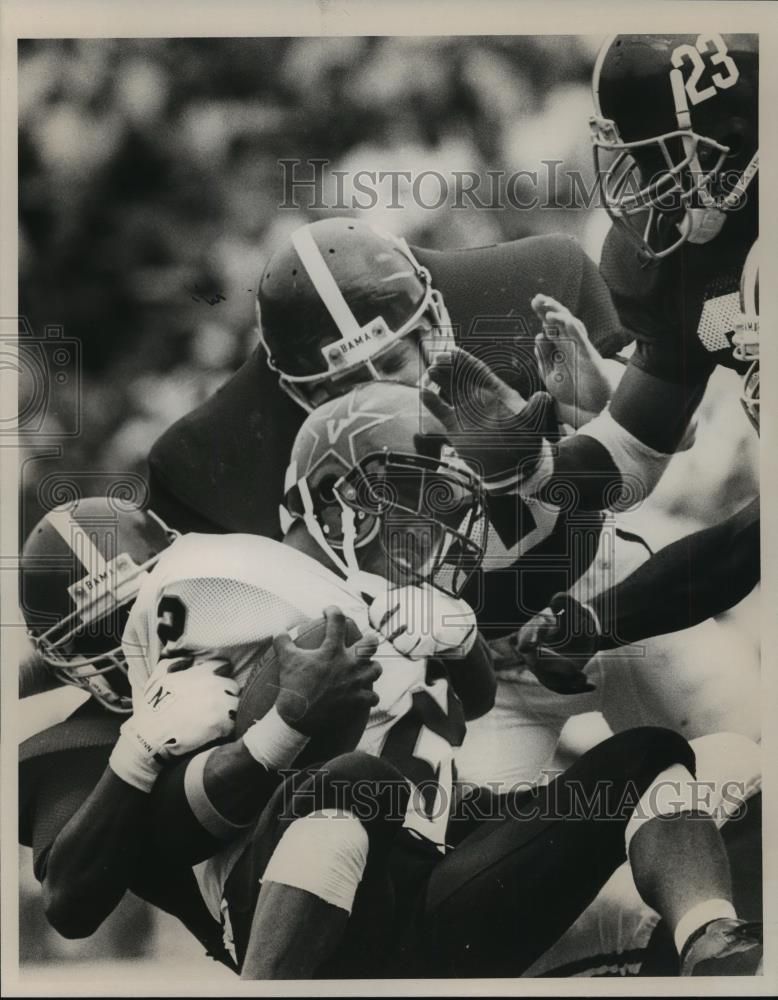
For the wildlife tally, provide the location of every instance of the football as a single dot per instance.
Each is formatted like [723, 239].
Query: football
[261, 689]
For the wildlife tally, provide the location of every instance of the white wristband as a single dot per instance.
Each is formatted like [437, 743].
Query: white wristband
[272, 742]
[133, 761]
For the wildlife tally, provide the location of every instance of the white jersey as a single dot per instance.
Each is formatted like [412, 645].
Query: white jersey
[226, 596]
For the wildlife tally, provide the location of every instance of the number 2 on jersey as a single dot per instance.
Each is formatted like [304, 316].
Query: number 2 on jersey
[171, 619]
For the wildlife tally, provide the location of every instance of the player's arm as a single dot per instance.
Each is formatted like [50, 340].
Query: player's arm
[205, 802]
[92, 860]
[695, 578]
[620, 456]
[685, 583]
[473, 679]
[612, 462]
[628, 446]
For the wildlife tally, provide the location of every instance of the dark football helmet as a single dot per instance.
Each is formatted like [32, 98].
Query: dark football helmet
[80, 572]
[333, 299]
[675, 133]
[373, 464]
[746, 338]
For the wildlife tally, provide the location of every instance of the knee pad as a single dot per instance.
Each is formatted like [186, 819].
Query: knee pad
[323, 853]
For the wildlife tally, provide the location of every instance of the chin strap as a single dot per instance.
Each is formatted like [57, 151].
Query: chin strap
[347, 564]
[701, 225]
[315, 529]
[348, 523]
[745, 179]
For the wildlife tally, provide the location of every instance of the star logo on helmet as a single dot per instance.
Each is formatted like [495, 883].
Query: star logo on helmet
[357, 419]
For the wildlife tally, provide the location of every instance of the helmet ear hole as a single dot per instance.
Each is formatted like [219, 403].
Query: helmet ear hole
[326, 490]
[735, 143]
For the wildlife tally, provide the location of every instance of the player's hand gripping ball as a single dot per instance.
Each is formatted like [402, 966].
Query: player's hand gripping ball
[321, 683]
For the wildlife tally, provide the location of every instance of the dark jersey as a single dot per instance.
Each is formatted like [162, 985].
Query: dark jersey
[682, 309]
[221, 468]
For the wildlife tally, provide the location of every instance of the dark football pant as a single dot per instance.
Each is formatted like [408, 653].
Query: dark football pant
[523, 867]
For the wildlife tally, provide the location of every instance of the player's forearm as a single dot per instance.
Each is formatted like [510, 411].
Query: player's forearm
[473, 679]
[91, 862]
[695, 578]
[601, 467]
[205, 802]
[656, 399]
[618, 458]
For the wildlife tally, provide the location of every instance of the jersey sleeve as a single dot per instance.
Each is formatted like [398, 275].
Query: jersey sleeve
[697, 577]
[221, 467]
[52, 788]
[209, 600]
[594, 306]
[681, 310]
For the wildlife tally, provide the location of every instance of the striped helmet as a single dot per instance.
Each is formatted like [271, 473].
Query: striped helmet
[80, 571]
[334, 297]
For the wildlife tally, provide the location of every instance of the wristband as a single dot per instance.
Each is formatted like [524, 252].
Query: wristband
[272, 742]
[133, 759]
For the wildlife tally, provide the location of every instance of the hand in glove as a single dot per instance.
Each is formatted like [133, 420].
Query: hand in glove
[422, 621]
[487, 422]
[181, 708]
[558, 643]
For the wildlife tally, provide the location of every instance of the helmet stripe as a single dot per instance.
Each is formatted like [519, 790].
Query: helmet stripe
[78, 541]
[324, 283]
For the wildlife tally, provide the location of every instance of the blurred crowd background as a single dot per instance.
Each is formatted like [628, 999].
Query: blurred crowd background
[149, 193]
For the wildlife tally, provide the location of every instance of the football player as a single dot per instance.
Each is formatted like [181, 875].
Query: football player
[80, 571]
[84, 784]
[218, 601]
[215, 605]
[340, 302]
[676, 143]
[373, 493]
[354, 483]
[695, 578]
[356, 515]
[676, 150]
